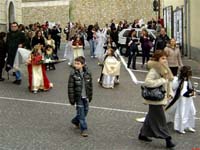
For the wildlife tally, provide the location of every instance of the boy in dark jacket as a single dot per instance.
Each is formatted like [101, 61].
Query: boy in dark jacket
[80, 93]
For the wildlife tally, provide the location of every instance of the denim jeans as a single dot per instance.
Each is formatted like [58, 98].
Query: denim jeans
[18, 75]
[132, 58]
[82, 110]
[92, 47]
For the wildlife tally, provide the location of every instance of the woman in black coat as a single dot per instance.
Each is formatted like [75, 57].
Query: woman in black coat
[132, 43]
[38, 39]
[146, 45]
[2, 53]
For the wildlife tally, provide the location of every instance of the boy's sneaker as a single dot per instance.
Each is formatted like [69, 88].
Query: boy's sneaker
[18, 82]
[76, 126]
[84, 133]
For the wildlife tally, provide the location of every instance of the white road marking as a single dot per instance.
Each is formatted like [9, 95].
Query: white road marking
[65, 104]
[133, 77]
[144, 71]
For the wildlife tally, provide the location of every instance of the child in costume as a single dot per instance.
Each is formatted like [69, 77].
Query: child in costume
[77, 46]
[182, 111]
[111, 70]
[36, 71]
[49, 57]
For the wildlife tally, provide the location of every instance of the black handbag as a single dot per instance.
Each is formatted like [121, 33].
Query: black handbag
[153, 94]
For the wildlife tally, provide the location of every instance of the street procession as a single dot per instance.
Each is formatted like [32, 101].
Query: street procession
[99, 75]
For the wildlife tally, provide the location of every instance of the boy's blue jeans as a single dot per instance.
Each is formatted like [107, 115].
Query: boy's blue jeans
[18, 75]
[82, 108]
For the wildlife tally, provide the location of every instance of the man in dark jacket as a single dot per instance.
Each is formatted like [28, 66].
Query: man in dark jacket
[114, 36]
[15, 39]
[80, 93]
[2, 53]
[161, 40]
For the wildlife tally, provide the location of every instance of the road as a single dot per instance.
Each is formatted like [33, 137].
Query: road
[42, 121]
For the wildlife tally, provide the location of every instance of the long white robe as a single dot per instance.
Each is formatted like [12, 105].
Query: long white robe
[68, 53]
[77, 51]
[183, 112]
[110, 70]
[99, 51]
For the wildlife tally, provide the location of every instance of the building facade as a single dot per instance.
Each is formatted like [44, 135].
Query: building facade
[86, 11]
[47, 10]
[190, 25]
[10, 10]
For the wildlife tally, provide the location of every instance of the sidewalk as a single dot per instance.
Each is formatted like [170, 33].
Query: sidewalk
[194, 64]
[195, 71]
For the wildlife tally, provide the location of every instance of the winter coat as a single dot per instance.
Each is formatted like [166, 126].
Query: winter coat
[161, 42]
[2, 53]
[174, 57]
[154, 79]
[133, 47]
[145, 44]
[12, 42]
[75, 85]
[36, 41]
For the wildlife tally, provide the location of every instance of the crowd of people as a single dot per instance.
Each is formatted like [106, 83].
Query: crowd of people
[36, 43]
[43, 42]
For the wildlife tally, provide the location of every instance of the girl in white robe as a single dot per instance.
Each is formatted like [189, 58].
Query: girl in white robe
[111, 69]
[99, 51]
[77, 46]
[68, 54]
[183, 111]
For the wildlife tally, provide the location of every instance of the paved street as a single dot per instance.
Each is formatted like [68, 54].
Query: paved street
[42, 121]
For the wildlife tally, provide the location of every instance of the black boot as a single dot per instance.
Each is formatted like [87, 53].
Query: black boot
[169, 143]
[144, 138]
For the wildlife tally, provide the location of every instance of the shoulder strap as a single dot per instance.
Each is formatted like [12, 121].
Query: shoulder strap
[177, 95]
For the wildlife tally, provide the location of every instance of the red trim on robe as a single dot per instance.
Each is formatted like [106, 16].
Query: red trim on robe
[46, 83]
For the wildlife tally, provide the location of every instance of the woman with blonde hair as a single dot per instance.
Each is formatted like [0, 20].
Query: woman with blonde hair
[155, 122]
[173, 56]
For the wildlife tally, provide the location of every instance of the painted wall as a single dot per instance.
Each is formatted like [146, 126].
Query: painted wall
[194, 24]
[195, 32]
[175, 3]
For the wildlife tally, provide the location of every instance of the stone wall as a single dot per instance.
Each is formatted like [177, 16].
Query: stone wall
[18, 11]
[4, 17]
[91, 11]
[42, 14]
[102, 11]
[36, 0]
